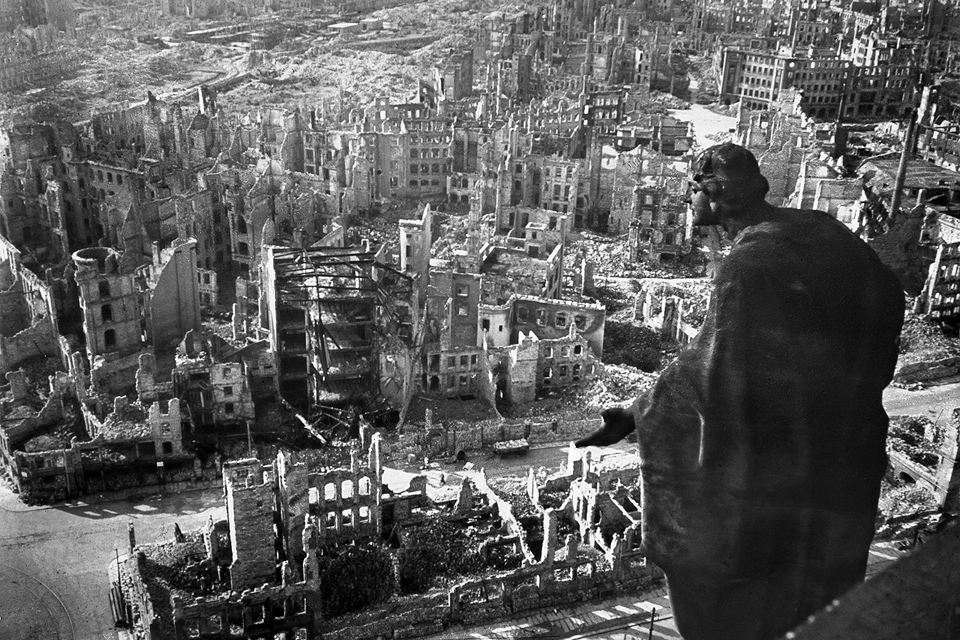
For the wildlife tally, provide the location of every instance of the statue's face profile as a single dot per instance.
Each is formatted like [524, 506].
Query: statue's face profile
[704, 211]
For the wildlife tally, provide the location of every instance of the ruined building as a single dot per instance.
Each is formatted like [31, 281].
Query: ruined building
[648, 192]
[112, 318]
[264, 570]
[926, 455]
[59, 14]
[337, 320]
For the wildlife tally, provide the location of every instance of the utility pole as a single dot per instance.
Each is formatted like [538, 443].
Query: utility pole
[902, 170]
[653, 616]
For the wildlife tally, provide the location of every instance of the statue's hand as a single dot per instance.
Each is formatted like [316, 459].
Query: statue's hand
[618, 423]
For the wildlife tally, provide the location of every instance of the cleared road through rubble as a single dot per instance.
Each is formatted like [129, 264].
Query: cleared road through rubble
[934, 402]
[53, 561]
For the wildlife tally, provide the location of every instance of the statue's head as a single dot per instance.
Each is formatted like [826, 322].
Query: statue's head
[730, 177]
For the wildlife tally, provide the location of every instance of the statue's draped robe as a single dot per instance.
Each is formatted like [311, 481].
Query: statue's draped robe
[762, 447]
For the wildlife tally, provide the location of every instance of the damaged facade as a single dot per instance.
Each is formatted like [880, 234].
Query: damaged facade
[149, 223]
[200, 295]
[261, 571]
[925, 454]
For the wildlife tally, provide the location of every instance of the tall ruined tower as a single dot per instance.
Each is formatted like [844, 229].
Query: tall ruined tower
[110, 303]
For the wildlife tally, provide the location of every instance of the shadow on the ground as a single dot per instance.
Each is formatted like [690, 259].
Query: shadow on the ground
[174, 504]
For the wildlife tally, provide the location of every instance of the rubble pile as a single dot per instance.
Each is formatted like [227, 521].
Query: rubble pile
[616, 384]
[62, 434]
[355, 577]
[610, 258]
[633, 344]
[45, 442]
[607, 253]
[381, 228]
[446, 16]
[922, 340]
[902, 501]
[669, 100]
[917, 438]
[177, 566]
[449, 411]
[618, 297]
[114, 70]
[454, 233]
[330, 76]
[438, 553]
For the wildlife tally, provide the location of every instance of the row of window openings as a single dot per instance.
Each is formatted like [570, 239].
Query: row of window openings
[668, 220]
[950, 271]
[330, 155]
[166, 447]
[346, 490]
[427, 168]
[452, 361]
[429, 139]
[485, 325]
[755, 93]
[518, 186]
[84, 205]
[559, 320]
[564, 351]
[425, 153]
[563, 370]
[346, 518]
[452, 381]
[297, 605]
[423, 183]
[109, 178]
[945, 313]
[559, 172]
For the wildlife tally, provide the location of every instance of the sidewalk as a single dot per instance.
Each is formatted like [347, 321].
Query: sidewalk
[579, 621]
[615, 619]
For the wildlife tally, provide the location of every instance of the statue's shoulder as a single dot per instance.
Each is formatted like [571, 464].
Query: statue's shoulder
[786, 225]
[773, 242]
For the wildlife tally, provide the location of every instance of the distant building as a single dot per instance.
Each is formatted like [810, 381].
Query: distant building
[757, 77]
[59, 14]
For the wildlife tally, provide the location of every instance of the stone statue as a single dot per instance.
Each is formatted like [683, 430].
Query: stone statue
[763, 445]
